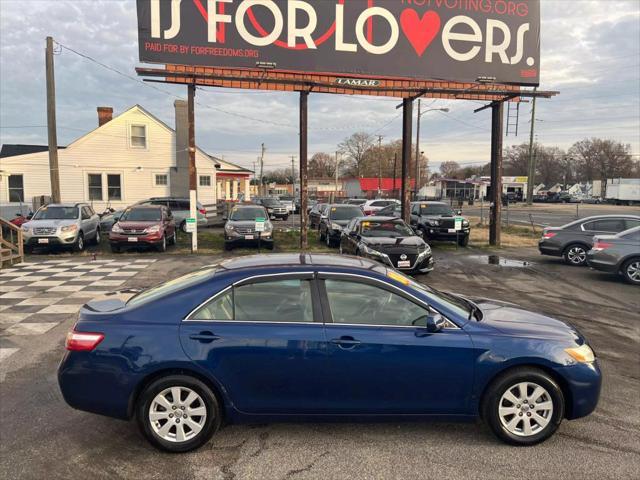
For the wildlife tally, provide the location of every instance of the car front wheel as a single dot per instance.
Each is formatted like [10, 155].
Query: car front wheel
[525, 406]
[79, 245]
[178, 413]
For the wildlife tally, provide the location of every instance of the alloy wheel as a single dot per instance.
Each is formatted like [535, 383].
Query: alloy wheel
[633, 271]
[577, 255]
[177, 414]
[98, 236]
[525, 409]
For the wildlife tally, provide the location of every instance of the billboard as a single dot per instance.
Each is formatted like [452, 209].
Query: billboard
[450, 40]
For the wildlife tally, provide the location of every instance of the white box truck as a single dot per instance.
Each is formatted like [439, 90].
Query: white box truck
[623, 191]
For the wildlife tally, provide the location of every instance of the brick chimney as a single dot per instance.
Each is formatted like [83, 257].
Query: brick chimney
[105, 114]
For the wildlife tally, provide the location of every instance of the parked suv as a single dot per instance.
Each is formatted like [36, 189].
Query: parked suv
[180, 209]
[573, 240]
[436, 221]
[62, 224]
[151, 225]
[617, 254]
[240, 229]
[274, 207]
[336, 218]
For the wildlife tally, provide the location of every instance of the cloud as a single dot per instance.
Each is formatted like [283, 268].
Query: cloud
[590, 53]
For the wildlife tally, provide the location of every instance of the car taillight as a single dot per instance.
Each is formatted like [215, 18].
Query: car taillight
[368, 212]
[601, 245]
[82, 341]
[203, 211]
[548, 235]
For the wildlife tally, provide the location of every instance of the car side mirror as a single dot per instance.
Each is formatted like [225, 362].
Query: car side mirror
[225, 218]
[435, 322]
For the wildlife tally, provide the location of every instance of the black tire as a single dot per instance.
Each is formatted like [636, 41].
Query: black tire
[162, 246]
[627, 271]
[115, 249]
[28, 249]
[183, 226]
[463, 241]
[422, 233]
[212, 421]
[78, 246]
[321, 236]
[174, 238]
[575, 255]
[285, 218]
[328, 241]
[269, 246]
[507, 381]
[228, 247]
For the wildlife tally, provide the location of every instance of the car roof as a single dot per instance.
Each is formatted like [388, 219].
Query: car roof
[247, 205]
[378, 218]
[146, 207]
[431, 203]
[292, 260]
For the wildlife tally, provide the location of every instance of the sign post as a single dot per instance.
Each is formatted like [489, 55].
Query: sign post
[259, 228]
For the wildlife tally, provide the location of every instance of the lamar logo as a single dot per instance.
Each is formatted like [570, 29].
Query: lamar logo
[357, 82]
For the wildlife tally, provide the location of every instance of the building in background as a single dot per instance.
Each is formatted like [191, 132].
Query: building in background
[125, 159]
[374, 187]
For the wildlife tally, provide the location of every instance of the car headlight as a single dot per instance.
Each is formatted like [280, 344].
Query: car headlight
[465, 223]
[229, 228]
[153, 229]
[25, 229]
[370, 251]
[433, 223]
[426, 250]
[582, 354]
[116, 228]
[69, 228]
[335, 226]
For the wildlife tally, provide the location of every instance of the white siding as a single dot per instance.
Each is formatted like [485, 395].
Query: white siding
[108, 150]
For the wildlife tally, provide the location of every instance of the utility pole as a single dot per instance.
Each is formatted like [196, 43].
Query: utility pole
[379, 165]
[417, 179]
[293, 182]
[193, 194]
[261, 187]
[337, 164]
[395, 162]
[54, 173]
[304, 124]
[532, 160]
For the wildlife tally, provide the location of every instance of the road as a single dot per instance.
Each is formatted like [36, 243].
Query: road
[41, 437]
[553, 215]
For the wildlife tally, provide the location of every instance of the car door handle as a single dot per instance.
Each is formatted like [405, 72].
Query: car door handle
[345, 342]
[204, 337]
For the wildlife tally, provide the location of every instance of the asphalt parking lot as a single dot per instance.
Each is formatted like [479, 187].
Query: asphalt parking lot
[41, 437]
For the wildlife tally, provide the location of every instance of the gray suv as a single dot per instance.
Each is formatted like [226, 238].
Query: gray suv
[573, 240]
[62, 224]
[617, 254]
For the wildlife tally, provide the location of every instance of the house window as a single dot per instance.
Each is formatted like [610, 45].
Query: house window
[139, 136]
[205, 180]
[16, 188]
[95, 186]
[161, 179]
[114, 187]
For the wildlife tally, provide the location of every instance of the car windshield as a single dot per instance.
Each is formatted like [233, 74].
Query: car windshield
[171, 286]
[246, 214]
[356, 201]
[271, 202]
[453, 302]
[435, 209]
[56, 213]
[393, 229]
[345, 213]
[286, 199]
[141, 215]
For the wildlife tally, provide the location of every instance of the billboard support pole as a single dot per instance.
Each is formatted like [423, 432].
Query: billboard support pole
[193, 207]
[304, 97]
[496, 173]
[407, 121]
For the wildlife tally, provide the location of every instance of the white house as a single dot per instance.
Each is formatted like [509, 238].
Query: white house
[126, 159]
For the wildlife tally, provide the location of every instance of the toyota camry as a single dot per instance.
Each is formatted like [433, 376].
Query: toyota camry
[310, 337]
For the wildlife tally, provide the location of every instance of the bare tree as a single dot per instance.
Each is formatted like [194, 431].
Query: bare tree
[357, 148]
[322, 165]
[450, 169]
[516, 160]
[600, 159]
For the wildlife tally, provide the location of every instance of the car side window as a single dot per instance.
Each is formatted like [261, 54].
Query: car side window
[414, 210]
[632, 223]
[354, 302]
[614, 225]
[85, 213]
[220, 308]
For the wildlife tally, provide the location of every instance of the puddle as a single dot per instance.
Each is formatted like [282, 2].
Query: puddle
[498, 260]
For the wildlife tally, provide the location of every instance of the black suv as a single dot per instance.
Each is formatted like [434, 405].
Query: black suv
[337, 216]
[437, 221]
[573, 240]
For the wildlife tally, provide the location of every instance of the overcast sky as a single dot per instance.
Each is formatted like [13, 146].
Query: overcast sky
[590, 53]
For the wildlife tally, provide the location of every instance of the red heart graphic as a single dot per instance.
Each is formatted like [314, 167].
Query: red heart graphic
[420, 31]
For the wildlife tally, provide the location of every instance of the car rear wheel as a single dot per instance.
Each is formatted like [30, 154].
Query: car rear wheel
[631, 271]
[178, 413]
[575, 254]
[525, 406]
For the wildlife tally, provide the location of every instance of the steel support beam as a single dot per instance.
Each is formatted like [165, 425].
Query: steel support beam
[495, 225]
[304, 101]
[193, 186]
[407, 123]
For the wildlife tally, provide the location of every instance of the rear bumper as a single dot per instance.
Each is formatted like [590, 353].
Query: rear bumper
[596, 261]
[549, 249]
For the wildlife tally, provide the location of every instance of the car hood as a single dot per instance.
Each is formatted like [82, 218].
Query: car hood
[138, 225]
[410, 242]
[510, 319]
[48, 223]
[342, 223]
[242, 223]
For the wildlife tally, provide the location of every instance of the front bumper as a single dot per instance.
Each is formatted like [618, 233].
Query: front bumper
[122, 239]
[582, 384]
[50, 240]
[437, 233]
[424, 264]
[241, 241]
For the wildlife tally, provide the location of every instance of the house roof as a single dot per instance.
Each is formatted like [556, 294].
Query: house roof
[13, 150]
[386, 183]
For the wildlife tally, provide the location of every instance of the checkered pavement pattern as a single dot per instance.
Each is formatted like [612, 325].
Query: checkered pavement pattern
[35, 297]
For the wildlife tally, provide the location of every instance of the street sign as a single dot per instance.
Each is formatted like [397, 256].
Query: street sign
[458, 224]
[191, 225]
[260, 224]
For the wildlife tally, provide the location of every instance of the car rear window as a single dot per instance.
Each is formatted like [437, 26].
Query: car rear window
[167, 288]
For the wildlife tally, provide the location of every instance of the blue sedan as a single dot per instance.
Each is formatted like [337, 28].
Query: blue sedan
[310, 337]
